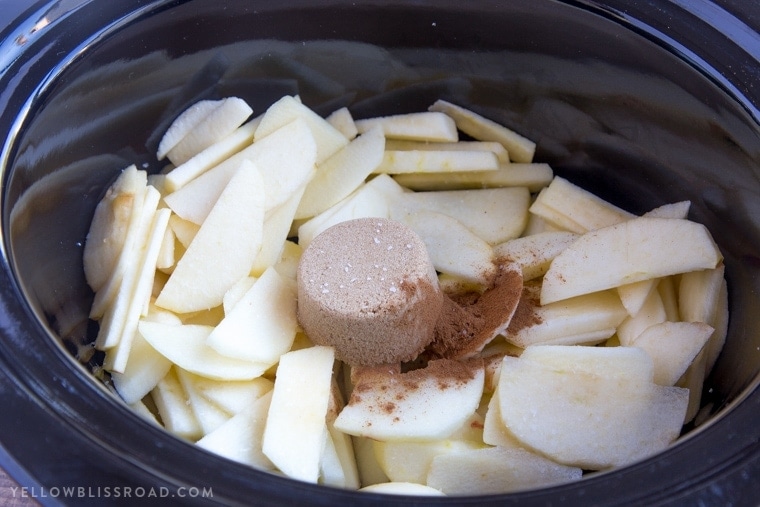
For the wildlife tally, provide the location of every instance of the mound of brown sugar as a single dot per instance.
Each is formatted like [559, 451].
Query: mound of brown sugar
[367, 288]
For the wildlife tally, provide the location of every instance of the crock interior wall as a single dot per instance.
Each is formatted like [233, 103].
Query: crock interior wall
[610, 111]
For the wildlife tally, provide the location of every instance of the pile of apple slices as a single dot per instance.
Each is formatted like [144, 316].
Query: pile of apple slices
[194, 273]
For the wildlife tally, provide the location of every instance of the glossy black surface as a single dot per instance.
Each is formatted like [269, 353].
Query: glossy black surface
[642, 102]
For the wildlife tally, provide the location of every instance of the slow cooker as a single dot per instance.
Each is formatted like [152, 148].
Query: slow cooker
[641, 101]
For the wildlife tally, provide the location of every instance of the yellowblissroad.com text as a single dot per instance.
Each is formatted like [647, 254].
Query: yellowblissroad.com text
[63, 492]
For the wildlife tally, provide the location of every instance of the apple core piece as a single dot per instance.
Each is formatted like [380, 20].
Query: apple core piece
[367, 288]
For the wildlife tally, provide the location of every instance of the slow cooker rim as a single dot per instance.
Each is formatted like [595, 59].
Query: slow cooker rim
[22, 314]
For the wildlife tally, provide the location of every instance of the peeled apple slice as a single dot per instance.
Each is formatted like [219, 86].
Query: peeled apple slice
[428, 126]
[183, 124]
[635, 250]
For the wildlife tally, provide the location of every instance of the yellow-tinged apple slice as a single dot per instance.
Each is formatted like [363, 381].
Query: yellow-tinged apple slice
[494, 214]
[575, 209]
[166, 255]
[285, 159]
[277, 224]
[240, 438]
[119, 313]
[652, 312]
[110, 226]
[232, 396]
[599, 415]
[366, 462]
[478, 127]
[578, 320]
[144, 369]
[184, 230]
[287, 266]
[496, 148]
[343, 471]
[295, 432]
[427, 126]
[327, 138]
[533, 176]
[496, 470]
[434, 161]
[666, 286]
[172, 403]
[495, 433]
[410, 461]
[453, 248]
[217, 124]
[694, 381]
[635, 250]
[698, 294]
[343, 121]
[262, 325]
[236, 293]
[342, 173]
[383, 407]
[401, 488]
[236, 223]
[720, 323]
[534, 253]
[183, 124]
[633, 295]
[208, 415]
[369, 200]
[673, 346]
[210, 157]
[185, 346]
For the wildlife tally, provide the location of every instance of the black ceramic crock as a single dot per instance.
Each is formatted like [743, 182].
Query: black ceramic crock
[644, 102]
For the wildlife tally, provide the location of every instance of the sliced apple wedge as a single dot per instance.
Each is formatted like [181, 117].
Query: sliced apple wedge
[277, 224]
[673, 346]
[215, 125]
[428, 126]
[262, 325]
[296, 431]
[575, 209]
[201, 276]
[401, 488]
[495, 214]
[342, 173]
[232, 396]
[185, 346]
[239, 439]
[496, 148]
[635, 250]
[343, 122]
[207, 413]
[453, 248]
[651, 312]
[698, 294]
[633, 295]
[327, 138]
[598, 418]
[671, 210]
[184, 124]
[435, 161]
[494, 470]
[583, 319]
[478, 127]
[172, 404]
[110, 226]
[533, 176]
[383, 407]
[534, 253]
[144, 369]
[410, 461]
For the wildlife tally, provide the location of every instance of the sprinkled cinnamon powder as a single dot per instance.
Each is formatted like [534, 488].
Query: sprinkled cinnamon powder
[525, 314]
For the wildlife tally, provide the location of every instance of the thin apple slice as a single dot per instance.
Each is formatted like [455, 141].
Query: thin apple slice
[401, 488]
[183, 124]
[534, 176]
[343, 121]
[575, 209]
[652, 312]
[327, 138]
[236, 293]
[496, 148]
[478, 127]
[534, 253]
[495, 214]
[287, 265]
[369, 200]
[214, 126]
[110, 226]
[495, 433]
[342, 173]
[277, 224]
[184, 230]
[240, 438]
[667, 288]
[427, 126]
[720, 323]
[366, 462]
[633, 295]
[262, 325]
[344, 470]
[208, 414]
[698, 294]
[172, 404]
[185, 346]
[495, 470]
[210, 157]
[435, 161]
[673, 346]
[447, 393]
[295, 432]
[599, 417]
[410, 461]
[582, 319]
[454, 249]
[236, 222]
[671, 210]
[232, 396]
[635, 250]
